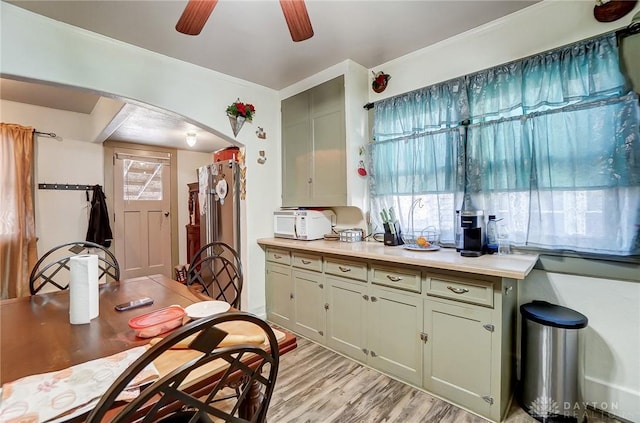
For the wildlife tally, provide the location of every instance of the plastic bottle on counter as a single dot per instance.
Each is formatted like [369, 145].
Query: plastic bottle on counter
[492, 235]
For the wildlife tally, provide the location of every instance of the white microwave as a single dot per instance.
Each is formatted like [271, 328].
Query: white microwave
[302, 224]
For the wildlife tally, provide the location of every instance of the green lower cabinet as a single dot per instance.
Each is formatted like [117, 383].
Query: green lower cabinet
[309, 305]
[346, 317]
[457, 354]
[279, 294]
[394, 326]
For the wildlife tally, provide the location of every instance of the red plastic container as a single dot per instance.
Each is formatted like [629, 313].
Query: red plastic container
[156, 322]
[230, 153]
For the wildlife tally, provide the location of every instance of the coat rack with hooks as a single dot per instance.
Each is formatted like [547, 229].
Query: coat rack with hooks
[73, 187]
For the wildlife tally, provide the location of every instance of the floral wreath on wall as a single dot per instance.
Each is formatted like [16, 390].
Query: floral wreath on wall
[239, 112]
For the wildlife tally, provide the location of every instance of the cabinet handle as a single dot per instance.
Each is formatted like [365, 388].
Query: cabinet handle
[305, 261]
[394, 278]
[366, 297]
[373, 354]
[344, 269]
[374, 299]
[457, 290]
[277, 256]
[291, 296]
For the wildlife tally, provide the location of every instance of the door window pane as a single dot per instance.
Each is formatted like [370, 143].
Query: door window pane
[142, 180]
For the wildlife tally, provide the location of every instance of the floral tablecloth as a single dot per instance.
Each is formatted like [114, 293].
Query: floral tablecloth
[57, 396]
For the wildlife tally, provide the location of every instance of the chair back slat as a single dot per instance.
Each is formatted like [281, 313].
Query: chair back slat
[216, 270]
[53, 270]
[252, 369]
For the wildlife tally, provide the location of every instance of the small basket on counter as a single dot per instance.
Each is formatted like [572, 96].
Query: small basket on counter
[424, 239]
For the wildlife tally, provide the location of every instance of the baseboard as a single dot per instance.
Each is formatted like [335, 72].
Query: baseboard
[613, 400]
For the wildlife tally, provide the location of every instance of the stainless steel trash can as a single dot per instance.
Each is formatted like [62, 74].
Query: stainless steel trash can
[549, 362]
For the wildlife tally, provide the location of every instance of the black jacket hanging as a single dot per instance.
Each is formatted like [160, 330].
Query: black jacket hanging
[99, 230]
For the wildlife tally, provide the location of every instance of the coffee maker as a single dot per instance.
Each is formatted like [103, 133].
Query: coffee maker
[473, 233]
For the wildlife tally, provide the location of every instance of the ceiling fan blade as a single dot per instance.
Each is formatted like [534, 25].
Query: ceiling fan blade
[295, 13]
[195, 15]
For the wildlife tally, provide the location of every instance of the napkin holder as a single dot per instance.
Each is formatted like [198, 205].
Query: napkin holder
[392, 238]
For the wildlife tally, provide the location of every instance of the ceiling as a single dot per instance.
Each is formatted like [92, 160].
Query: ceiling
[250, 40]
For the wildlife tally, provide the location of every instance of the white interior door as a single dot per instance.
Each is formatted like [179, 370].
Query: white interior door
[142, 219]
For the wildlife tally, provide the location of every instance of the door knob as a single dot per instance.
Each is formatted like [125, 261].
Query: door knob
[166, 214]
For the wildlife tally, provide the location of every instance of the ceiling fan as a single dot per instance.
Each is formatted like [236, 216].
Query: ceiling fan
[197, 12]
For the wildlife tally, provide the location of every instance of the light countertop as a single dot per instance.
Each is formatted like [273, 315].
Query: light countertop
[516, 266]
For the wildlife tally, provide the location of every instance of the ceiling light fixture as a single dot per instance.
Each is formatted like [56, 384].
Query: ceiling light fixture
[191, 139]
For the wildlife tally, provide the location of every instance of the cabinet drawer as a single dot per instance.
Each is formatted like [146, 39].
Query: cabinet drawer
[307, 261]
[278, 256]
[408, 279]
[348, 269]
[459, 289]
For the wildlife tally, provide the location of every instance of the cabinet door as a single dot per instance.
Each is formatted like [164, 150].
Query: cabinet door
[346, 316]
[328, 135]
[309, 312]
[279, 295]
[296, 150]
[458, 354]
[394, 328]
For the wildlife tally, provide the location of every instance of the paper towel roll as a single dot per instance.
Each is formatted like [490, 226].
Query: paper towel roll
[83, 289]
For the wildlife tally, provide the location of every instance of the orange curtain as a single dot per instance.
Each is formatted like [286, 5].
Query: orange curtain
[17, 223]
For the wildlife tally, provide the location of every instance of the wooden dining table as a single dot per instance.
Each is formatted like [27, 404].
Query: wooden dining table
[37, 337]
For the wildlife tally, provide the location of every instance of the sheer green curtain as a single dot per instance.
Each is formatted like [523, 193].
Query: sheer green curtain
[551, 146]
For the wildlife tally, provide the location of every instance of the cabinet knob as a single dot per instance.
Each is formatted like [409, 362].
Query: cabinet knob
[394, 278]
[321, 333]
[321, 286]
[365, 351]
[374, 299]
[344, 269]
[366, 297]
[457, 290]
[310, 180]
[326, 306]
[373, 354]
[291, 296]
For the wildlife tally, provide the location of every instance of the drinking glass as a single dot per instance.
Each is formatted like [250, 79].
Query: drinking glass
[503, 240]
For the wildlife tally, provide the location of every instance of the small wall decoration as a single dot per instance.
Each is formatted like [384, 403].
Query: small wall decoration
[239, 112]
[260, 133]
[612, 10]
[262, 158]
[380, 81]
[362, 170]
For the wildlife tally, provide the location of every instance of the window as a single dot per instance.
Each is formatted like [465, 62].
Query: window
[142, 180]
[550, 144]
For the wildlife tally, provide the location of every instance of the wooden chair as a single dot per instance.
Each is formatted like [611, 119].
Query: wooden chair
[174, 397]
[53, 267]
[216, 270]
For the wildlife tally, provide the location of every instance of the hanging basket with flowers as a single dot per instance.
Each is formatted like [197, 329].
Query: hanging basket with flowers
[239, 112]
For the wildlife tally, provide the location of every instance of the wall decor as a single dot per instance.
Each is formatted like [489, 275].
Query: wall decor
[238, 113]
[380, 81]
[243, 174]
[261, 157]
[260, 133]
[612, 10]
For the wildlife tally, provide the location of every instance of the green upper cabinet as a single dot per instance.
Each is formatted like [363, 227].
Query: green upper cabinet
[314, 147]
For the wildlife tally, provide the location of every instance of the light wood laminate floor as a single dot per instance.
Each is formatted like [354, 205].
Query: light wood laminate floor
[317, 385]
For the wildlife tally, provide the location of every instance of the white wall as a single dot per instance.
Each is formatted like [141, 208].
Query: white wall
[612, 340]
[188, 163]
[61, 216]
[35, 47]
